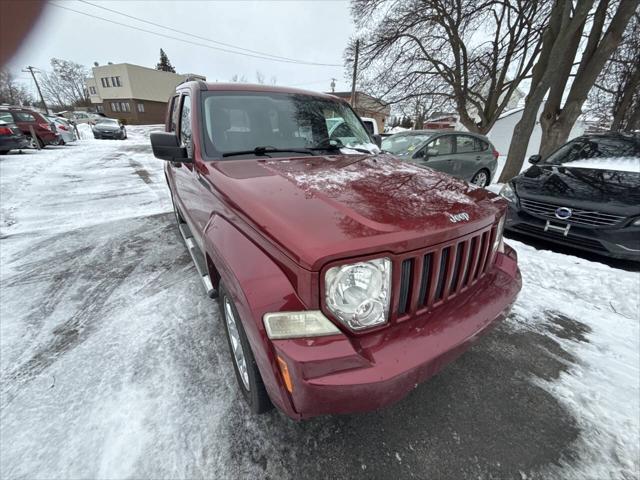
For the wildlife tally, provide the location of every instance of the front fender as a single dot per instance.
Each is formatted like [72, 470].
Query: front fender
[257, 286]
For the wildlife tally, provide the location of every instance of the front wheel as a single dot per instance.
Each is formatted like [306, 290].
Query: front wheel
[244, 364]
[481, 178]
[36, 143]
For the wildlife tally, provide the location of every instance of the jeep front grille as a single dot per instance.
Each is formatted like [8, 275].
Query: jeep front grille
[578, 216]
[436, 275]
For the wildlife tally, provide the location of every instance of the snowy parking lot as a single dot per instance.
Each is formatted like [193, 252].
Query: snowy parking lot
[114, 362]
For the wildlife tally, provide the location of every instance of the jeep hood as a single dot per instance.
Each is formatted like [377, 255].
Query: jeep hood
[321, 208]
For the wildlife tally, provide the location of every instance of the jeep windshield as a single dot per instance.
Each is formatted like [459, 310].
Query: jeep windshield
[276, 124]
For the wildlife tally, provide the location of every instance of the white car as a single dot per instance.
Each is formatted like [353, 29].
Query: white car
[66, 130]
[371, 125]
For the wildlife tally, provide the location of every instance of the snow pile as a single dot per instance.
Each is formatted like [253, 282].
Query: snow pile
[84, 131]
[620, 164]
[602, 389]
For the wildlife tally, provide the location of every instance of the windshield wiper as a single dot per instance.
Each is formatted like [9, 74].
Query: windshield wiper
[263, 151]
[332, 147]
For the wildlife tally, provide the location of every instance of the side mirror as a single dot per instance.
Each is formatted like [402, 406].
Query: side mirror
[166, 146]
[377, 140]
[533, 159]
[121, 127]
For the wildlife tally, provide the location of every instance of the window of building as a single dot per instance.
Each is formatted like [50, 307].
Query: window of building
[141, 107]
[92, 90]
[100, 108]
[115, 106]
[105, 82]
[115, 81]
[125, 106]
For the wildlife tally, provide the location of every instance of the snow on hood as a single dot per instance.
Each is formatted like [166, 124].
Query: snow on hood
[620, 164]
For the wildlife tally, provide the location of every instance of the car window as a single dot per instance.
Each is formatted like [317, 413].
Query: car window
[185, 124]
[595, 147]
[24, 117]
[403, 144]
[368, 124]
[173, 114]
[242, 121]
[467, 144]
[442, 145]
[6, 117]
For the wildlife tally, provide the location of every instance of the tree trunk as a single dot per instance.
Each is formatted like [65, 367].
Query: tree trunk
[626, 103]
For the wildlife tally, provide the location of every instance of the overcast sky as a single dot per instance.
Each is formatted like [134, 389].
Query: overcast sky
[313, 31]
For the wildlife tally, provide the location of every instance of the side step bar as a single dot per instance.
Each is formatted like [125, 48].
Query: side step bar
[198, 259]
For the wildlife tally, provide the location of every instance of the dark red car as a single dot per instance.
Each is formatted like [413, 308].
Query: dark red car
[345, 276]
[26, 119]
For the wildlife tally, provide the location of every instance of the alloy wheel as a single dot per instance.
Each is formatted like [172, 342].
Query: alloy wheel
[480, 179]
[236, 344]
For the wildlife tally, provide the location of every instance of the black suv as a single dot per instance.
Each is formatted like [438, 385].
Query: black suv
[586, 195]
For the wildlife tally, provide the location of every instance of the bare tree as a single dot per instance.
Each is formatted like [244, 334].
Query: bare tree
[259, 77]
[471, 53]
[564, 30]
[558, 117]
[614, 100]
[64, 85]
[12, 92]
[239, 78]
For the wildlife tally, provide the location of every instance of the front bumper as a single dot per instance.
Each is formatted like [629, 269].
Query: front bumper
[346, 374]
[622, 242]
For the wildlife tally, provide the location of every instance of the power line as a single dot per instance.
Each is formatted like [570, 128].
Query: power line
[190, 42]
[207, 39]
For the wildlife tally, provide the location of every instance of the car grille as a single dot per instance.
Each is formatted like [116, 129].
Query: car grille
[436, 275]
[578, 216]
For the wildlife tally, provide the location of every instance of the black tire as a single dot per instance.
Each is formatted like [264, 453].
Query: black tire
[482, 178]
[4, 152]
[253, 391]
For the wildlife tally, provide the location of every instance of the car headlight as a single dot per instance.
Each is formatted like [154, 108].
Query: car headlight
[636, 223]
[358, 294]
[507, 193]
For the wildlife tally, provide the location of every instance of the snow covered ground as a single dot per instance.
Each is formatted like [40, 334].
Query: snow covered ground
[113, 364]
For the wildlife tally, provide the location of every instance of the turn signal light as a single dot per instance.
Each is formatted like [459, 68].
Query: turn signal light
[284, 371]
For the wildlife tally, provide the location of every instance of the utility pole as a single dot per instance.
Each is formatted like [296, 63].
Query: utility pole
[355, 73]
[30, 70]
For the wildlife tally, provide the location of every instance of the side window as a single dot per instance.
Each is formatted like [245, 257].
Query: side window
[185, 124]
[466, 144]
[173, 114]
[442, 145]
[24, 117]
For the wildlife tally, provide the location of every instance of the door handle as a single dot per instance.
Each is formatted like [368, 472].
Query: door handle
[478, 157]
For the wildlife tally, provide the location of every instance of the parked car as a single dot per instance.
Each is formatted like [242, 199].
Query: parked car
[11, 138]
[65, 129]
[344, 277]
[109, 128]
[45, 130]
[464, 155]
[585, 195]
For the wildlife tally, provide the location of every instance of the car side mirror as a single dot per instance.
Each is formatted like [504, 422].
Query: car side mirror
[166, 146]
[377, 138]
[533, 159]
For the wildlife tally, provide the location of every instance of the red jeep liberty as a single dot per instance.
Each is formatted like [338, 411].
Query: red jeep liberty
[345, 276]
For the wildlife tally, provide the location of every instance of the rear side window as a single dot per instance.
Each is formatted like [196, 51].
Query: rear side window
[24, 117]
[443, 145]
[467, 143]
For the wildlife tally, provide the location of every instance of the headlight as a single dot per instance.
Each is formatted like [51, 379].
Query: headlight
[507, 193]
[498, 242]
[310, 323]
[358, 294]
[636, 223]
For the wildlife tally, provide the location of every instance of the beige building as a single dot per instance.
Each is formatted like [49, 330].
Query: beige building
[134, 93]
[367, 106]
